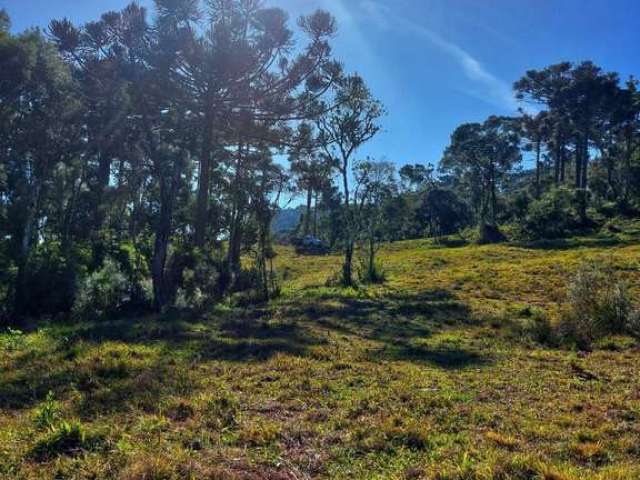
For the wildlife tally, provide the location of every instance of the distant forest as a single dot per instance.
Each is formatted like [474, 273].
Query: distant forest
[140, 159]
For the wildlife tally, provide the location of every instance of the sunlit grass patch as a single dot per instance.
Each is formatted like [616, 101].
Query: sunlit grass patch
[448, 370]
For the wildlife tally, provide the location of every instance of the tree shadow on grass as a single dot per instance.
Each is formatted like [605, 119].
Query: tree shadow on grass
[387, 319]
[398, 322]
[110, 380]
[448, 358]
[598, 241]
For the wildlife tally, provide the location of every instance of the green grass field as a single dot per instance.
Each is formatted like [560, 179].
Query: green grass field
[439, 373]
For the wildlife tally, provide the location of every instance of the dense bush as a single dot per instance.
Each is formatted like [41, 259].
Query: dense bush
[103, 292]
[442, 212]
[199, 278]
[518, 206]
[50, 279]
[598, 304]
[550, 216]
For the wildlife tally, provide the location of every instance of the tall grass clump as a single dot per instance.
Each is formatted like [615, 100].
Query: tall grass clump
[598, 304]
[65, 438]
[371, 272]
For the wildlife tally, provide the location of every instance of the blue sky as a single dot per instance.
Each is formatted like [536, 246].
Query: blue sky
[437, 63]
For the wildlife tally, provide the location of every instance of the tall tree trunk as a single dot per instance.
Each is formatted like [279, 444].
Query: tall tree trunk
[104, 174]
[627, 161]
[578, 161]
[372, 255]
[21, 288]
[315, 216]
[582, 164]
[168, 192]
[204, 182]
[538, 148]
[263, 241]
[557, 161]
[232, 264]
[347, 267]
[493, 199]
[585, 161]
[610, 182]
[234, 251]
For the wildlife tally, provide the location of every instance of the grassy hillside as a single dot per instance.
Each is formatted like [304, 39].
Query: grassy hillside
[439, 373]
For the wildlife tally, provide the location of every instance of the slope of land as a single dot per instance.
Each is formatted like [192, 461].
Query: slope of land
[439, 373]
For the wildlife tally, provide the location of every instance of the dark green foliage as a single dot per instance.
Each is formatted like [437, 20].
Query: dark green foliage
[110, 169]
[51, 282]
[552, 216]
[441, 213]
[519, 205]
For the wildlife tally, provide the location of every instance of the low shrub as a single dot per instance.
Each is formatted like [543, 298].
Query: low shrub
[632, 325]
[48, 414]
[534, 325]
[102, 292]
[598, 305]
[68, 438]
[371, 274]
[199, 281]
[12, 339]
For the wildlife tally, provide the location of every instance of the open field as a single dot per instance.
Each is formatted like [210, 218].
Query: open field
[439, 373]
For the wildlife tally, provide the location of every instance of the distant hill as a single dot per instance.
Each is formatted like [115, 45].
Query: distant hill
[286, 220]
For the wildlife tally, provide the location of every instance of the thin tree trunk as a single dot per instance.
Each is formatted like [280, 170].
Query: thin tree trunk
[262, 261]
[232, 262]
[21, 297]
[204, 181]
[315, 216]
[563, 164]
[347, 268]
[578, 160]
[168, 193]
[627, 161]
[104, 174]
[372, 255]
[347, 273]
[585, 161]
[307, 216]
[493, 196]
[234, 250]
[538, 146]
[557, 162]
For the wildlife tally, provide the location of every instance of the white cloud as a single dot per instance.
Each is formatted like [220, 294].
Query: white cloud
[494, 89]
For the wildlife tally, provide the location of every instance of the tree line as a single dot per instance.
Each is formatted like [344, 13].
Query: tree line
[146, 149]
[568, 160]
[144, 157]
